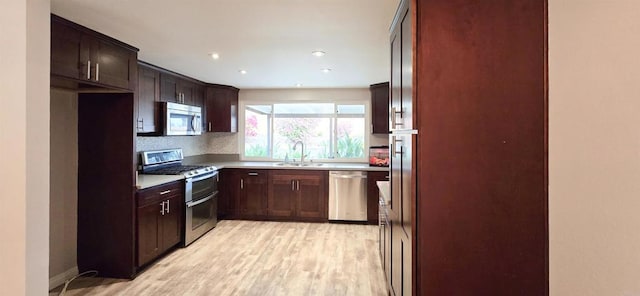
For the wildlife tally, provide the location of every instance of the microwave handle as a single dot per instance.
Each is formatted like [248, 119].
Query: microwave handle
[193, 123]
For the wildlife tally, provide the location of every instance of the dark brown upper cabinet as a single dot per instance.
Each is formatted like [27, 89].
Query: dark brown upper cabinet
[91, 58]
[148, 111]
[221, 109]
[379, 108]
[179, 89]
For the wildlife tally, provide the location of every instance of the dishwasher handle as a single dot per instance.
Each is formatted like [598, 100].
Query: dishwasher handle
[339, 175]
[349, 176]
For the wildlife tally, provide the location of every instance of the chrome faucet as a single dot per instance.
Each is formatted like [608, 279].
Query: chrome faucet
[302, 154]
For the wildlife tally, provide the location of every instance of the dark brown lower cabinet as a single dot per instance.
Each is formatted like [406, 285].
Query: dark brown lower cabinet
[292, 195]
[298, 195]
[282, 196]
[159, 220]
[252, 198]
[228, 197]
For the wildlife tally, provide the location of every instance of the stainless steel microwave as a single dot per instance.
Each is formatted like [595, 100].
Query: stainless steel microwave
[181, 120]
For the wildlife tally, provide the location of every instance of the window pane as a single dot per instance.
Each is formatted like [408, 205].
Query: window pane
[350, 137]
[351, 109]
[313, 132]
[256, 131]
[303, 108]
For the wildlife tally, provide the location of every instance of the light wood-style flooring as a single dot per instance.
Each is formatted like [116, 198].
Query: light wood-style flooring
[260, 258]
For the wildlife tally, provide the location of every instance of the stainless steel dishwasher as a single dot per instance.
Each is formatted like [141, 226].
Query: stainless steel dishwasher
[348, 195]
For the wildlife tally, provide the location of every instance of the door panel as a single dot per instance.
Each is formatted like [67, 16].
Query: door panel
[282, 197]
[172, 222]
[114, 65]
[312, 199]
[66, 52]
[253, 197]
[148, 232]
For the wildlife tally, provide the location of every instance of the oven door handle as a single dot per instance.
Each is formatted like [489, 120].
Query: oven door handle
[192, 204]
[200, 178]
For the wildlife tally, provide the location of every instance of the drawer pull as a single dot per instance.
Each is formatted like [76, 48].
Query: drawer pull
[165, 192]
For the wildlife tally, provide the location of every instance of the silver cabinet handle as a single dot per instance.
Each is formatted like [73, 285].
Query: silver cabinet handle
[241, 183]
[142, 125]
[97, 72]
[395, 145]
[168, 206]
[293, 187]
[209, 125]
[89, 69]
[162, 211]
[394, 120]
[165, 192]
[253, 174]
[298, 185]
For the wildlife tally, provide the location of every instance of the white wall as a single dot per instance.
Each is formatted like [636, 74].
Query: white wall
[24, 146]
[63, 192]
[594, 147]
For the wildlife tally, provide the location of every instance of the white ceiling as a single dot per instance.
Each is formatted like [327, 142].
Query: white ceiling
[271, 39]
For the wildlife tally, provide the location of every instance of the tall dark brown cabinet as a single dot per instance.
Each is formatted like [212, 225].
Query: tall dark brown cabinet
[468, 148]
[103, 71]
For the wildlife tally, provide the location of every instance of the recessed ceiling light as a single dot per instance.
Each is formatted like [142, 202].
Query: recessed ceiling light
[318, 53]
[326, 70]
[298, 84]
[243, 72]
[214, 55]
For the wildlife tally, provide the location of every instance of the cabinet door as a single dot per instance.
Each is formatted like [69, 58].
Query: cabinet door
[229, 187]
[148, 227]
[172, 222]
[147, 96]
[312, 197]
[380, 108]
[114, 65]
[168, 88]
[221, 104]
[407, 73]
[253, 194]
[395, 102]
[68, 58]
[187, 90]
[282, 196]
[198, 97]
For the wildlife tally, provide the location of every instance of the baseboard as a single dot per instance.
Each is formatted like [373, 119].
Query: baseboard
[60, 278]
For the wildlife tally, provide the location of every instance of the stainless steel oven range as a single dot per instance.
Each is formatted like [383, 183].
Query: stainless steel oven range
[200, 190]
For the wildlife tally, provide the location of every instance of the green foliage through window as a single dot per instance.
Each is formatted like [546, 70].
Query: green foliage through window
[271, 131]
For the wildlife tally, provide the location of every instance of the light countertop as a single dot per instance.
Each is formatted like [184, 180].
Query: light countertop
[146, 181]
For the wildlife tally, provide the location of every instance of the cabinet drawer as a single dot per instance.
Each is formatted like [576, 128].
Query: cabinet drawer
[159, 193]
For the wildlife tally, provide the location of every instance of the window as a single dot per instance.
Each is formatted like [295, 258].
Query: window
[328, 130]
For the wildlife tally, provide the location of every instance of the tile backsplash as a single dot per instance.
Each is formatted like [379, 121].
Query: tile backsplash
[207, 143]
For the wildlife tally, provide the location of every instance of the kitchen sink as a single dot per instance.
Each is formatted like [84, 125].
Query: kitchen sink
[297, 164]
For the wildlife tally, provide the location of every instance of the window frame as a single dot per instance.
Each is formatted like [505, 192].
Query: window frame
[242, 104]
